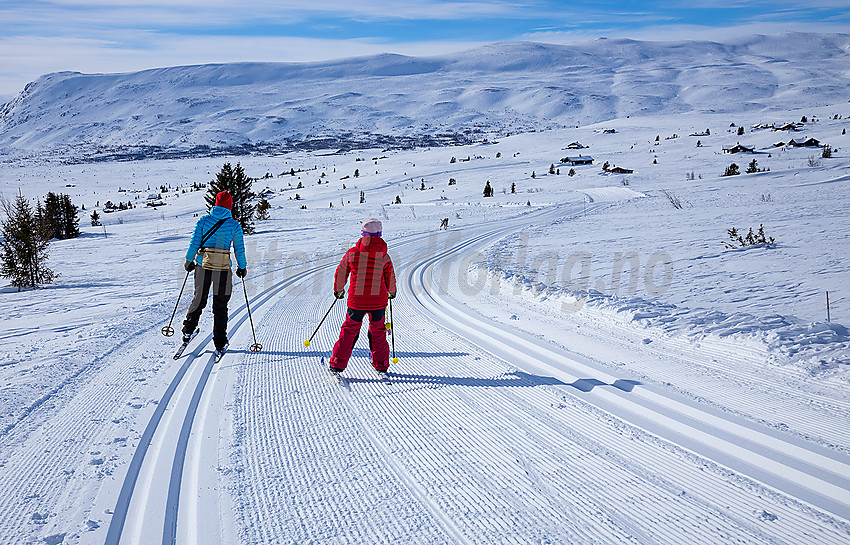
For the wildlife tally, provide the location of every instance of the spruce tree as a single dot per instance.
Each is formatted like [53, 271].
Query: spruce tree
[263, 210]
[59, 216]
[23, 248]
[488, 189]
[238, 184]
[70, 221]
[753, 166]
[53, 215]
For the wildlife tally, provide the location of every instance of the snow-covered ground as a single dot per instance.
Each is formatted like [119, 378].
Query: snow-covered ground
[545, 392]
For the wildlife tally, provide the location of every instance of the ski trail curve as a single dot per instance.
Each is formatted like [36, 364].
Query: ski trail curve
[805, 471]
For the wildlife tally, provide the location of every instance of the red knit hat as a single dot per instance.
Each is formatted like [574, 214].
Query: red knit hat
[224, 199]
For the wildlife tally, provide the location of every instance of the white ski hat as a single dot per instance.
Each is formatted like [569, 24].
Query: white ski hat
[371, 227]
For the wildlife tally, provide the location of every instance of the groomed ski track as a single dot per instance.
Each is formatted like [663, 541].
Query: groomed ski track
[485, 434]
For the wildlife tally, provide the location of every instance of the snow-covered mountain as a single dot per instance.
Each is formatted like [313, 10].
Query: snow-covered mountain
[498, 87]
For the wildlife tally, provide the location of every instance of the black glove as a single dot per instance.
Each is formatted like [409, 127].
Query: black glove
[391, 295]
[339, 294]
[241, 273]
[189, 266]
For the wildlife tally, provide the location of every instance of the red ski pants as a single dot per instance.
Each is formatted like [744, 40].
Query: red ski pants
[349, 333]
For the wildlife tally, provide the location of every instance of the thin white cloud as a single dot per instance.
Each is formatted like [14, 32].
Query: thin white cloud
[162, 12]
[682, 32]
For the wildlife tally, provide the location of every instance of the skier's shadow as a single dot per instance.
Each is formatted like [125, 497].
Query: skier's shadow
[514, 379]
[358, 352]
[366, 353]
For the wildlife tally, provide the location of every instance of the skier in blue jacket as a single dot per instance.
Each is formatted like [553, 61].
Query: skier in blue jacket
[212, 266]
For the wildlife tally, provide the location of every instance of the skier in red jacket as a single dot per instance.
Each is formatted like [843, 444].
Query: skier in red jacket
[372, 283]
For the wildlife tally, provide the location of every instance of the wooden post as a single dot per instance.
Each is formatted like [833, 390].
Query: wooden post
[827, 306]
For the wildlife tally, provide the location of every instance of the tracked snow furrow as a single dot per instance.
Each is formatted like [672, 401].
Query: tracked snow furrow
[326, 467]
[527, 504]
[823, 417]
[471, 441]
[33, 460]
[836, 464]
[476, 444]
[157, 469]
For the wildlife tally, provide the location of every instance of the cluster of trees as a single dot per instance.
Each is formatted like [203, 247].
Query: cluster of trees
[26, 235]
[736, 240]
[59, 216]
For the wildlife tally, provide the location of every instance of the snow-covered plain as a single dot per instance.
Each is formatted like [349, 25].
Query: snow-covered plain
[539, 397]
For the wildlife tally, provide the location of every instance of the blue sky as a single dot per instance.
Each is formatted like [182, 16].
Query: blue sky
[40, 36]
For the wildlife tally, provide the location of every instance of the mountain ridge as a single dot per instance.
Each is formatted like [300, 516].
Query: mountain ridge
[502, 86]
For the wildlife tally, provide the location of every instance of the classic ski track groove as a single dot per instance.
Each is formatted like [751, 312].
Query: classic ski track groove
[530, 461]
[829, 487]
[153, 432]
[122, 510]
[453, 502]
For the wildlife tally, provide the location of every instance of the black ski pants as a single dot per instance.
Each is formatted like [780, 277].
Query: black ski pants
[221, 283]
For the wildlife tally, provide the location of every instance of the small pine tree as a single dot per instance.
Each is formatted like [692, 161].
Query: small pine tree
[552, 169]
[572, 172]
[452, 181]
[356, 172]
[732, 170]
[488, 189]
[238, 184]
[95, 219]
[362, 197]
[753, 166]
[23, 248]
[827, 152]
[263, 209]
[397, 199]
[533, 175]
[513, 187]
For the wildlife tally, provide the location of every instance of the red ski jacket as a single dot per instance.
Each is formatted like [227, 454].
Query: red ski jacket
[372, 274]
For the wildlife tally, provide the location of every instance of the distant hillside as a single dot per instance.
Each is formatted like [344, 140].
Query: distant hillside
[397, 100]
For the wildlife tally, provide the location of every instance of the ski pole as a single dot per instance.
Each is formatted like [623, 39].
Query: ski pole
[307, 342]
[392, 331]
[168, 331]
[256, 347]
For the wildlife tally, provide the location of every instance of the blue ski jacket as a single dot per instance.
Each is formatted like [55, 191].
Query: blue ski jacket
[229, 232]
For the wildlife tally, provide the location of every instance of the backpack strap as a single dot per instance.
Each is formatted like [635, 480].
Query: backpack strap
[212, 230]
